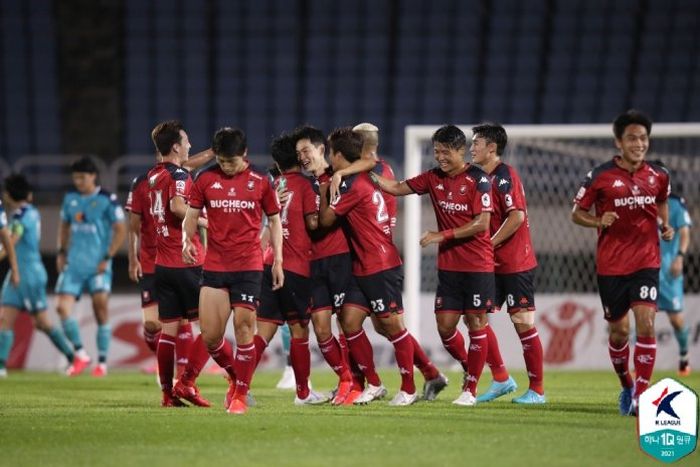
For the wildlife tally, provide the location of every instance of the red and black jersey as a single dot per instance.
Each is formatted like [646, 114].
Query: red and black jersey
[631, 243]
[384, 169]
[296, 243]
[331, 241]
[457, 201]
[516, 253]
[165, 182]
[235, 205]
[368, 225]
[137, 202]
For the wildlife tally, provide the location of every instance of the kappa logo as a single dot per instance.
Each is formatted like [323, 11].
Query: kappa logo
[502, 182]
[440, 187]
[216, 186]
[618, 183]
[663, 403]
[483, 180]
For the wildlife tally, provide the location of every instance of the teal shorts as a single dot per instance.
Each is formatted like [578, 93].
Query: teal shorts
[74, 282]
[30, 296]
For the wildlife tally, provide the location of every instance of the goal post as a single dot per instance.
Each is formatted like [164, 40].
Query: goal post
[552, 161]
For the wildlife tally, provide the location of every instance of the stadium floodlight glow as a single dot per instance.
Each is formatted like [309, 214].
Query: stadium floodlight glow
[551, 160]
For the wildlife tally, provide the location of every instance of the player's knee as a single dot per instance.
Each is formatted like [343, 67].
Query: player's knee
[151, 326]
[523, 320]
[446, 330]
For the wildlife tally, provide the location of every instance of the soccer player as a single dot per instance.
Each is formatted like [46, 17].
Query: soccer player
[91, 231]
[461, 196]
[435, 382]
[629, 194]
[671, 274]
[29, 294]
[235, 197]
[176, 282]
[376, 269]
[290, 303]
[515, 265]
[142, 245]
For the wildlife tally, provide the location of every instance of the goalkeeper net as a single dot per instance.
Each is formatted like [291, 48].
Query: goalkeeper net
[552, 161]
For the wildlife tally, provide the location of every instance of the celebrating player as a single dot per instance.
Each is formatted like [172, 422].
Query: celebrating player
[515, 265]
[91, 231]
[628, 194]
[235, 197]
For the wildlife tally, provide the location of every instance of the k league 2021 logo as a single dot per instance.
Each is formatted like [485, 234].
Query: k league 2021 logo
[668, 420]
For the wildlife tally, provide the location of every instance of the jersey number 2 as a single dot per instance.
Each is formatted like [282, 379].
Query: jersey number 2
[378, 200]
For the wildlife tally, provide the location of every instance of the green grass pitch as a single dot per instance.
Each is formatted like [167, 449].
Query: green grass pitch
[47, 419]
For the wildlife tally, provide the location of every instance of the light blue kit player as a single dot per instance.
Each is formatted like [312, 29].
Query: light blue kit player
[91, 231]
[671, 276]
[29, 295]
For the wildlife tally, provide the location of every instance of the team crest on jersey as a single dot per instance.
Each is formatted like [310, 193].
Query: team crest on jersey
[635, 190]
[152, 180]
[652, 180]
[438, 302]
[251, 185]
[462, 189]
[231, 192]
[146, 296]
[79, 216]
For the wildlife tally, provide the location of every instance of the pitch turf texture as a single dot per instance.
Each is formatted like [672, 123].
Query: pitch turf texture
[47, 419]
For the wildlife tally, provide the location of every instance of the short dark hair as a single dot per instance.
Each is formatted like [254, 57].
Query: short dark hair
[283, 150]
[347, 142]
[631, 117]
[312, 134]
[84, 165]
[229, 142]
[17, 186]
[493, 133]
[450, 136]
[167, 134]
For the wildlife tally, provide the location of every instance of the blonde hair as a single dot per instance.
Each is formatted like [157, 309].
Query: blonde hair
[370, 135]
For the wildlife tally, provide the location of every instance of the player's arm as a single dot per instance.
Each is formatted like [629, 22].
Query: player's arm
[8, 246]
[198, 160]
[189, 230]
[513, 221]
[586, 219]
[393, 187]
[363, 164]
[666, 229]
[326, 216]
[134, 238]
[275, 225]
[118, 237]
[683, 244]
[62, 245]
[477, 225]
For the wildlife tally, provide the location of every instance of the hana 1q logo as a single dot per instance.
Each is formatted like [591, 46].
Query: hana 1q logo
[667, 420]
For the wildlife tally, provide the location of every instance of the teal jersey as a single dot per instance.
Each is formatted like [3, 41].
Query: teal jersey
[91, 218]
[25, 224]
[678, 217]
[3, 217]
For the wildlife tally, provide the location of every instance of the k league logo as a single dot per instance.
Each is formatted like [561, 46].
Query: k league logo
[668, 420]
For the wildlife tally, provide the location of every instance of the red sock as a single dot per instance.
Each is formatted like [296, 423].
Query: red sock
[534, 360]
[455, 346]
[165, 353]
[183, 345]
[344, 348]
[330, 349]
[244, 366]
[403, 349]
[422, 362]
[301, 364]
[478, 350]
[260, 346]
[361, 351]
[223, 356]
[494, 360]
[199, 356]
[620, 360]
[644, 356]
[151, 339]
[358, 379]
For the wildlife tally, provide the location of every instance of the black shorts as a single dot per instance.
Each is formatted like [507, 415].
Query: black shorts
[378, 293]
[147, 285]
[288, 304]
[620, 293]
[516, 290]
[464, 292]
[330, 277]
[177, 290]
[243, 286]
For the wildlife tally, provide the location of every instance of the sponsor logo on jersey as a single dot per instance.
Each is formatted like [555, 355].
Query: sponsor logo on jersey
[216, 186]
[453, 207]
[618, 183]
[231, 205]
[635, 201]
[486, 200]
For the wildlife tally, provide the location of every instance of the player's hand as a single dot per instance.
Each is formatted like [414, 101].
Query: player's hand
[430, 237]
[667, 232]
[189, 252]
[135, 271]
[60, 262]
[335, 186]
[677, 266]
[14, 278]
[203, 222]
[277, 276]
[102, 266]
[607, 219]
[282, 195]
